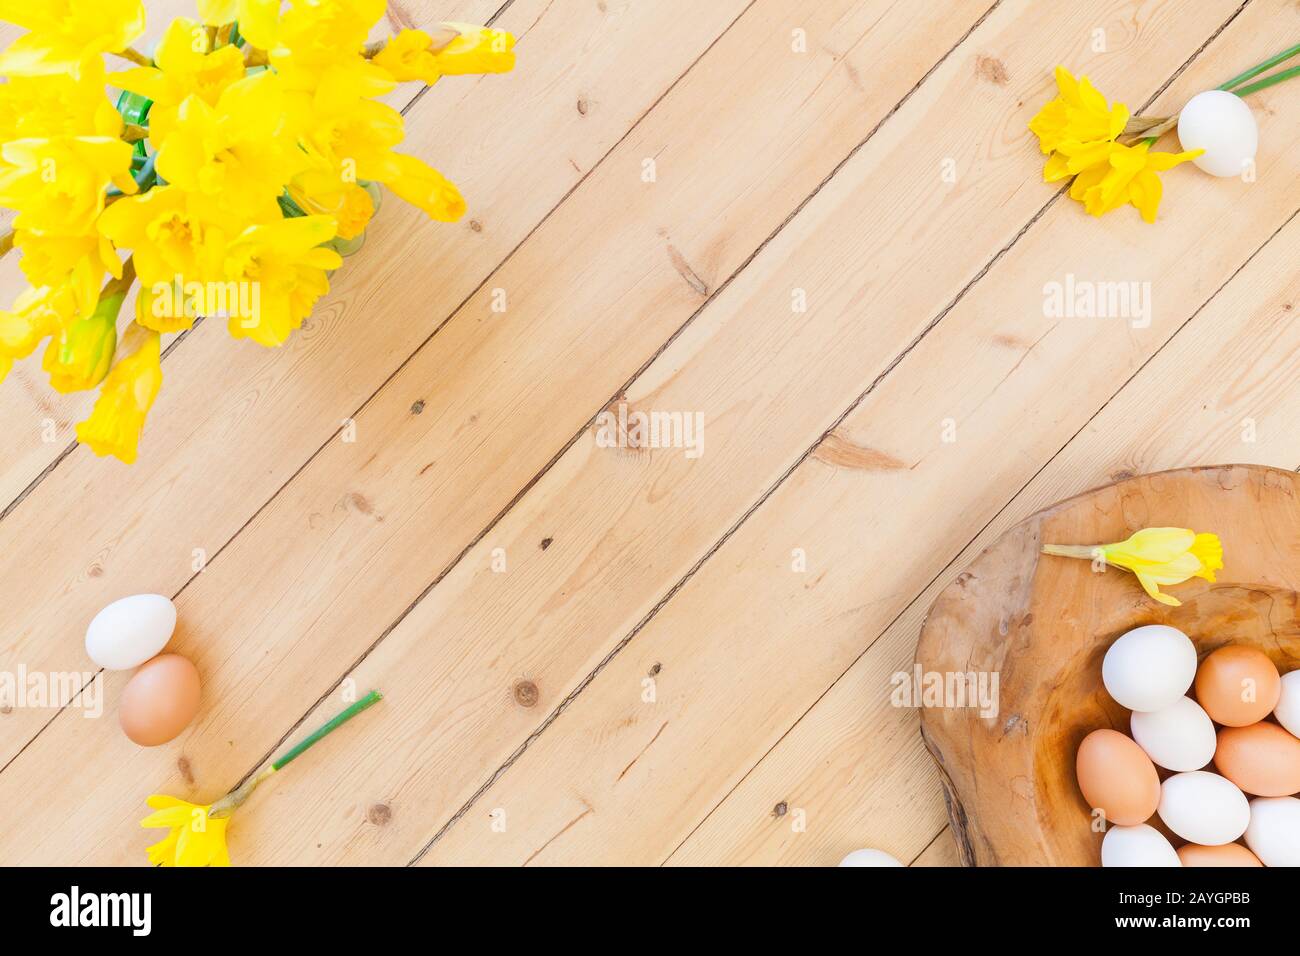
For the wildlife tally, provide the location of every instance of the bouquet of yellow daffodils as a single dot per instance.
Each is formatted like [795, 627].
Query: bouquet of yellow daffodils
[228, 176]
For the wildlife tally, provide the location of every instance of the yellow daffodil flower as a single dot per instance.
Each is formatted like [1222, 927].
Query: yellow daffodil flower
[237, 154]
[1109, 175]
[319, 47]
[184, 68]
[125, 398]
[286, 262]
[357, 140]
[1079, 114]
[170, 232]
[80, 355]
[58, 185]
[1157, 556]
[42, 107]
[66, 34]
[37, 314]
[194, 838]
[323, 191]
[354, 138]
[165, 306]
[477, 49]
[77, 263]
[197, 833]
[460, 48]
[257, 18]
[421, 185]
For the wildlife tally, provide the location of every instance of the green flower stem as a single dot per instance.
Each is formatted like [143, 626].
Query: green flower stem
[1085, 551]
[1257, 70]
[232, 801]
[298, 749]
[147, 175]
[1268, 81]
[1233, 84]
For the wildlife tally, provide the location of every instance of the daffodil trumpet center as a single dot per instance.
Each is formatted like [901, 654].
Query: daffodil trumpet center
[228, 804]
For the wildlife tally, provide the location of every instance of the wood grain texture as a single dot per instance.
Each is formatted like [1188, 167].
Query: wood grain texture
[1043, 625]
[872, 525]
[1224, 377]
[374, 559]
[354, 536]
[235, 422]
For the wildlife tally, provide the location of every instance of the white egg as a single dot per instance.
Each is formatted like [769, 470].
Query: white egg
[1287, 711]
[130, 631]
[1137, 846]
[1274, 831]
[1178, 737]
[1150, 667]
[1222, 124]
[869, 858]
[1202, 807]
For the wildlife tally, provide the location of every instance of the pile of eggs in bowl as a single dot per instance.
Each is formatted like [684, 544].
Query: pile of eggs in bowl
[1232, 755]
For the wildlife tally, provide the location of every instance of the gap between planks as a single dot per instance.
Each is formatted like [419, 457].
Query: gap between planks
[926, 849]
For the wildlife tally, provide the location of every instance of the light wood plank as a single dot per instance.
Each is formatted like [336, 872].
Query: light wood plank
[550, 619]
[40, 423]
[235, 421]
[1228, 371]
[907, 491]
[358, 553]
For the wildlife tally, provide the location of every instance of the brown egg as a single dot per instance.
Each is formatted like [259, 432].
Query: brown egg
[160, 700]
[1237, 685]
[1117, 777]
[1262, 759]
[1230, 854]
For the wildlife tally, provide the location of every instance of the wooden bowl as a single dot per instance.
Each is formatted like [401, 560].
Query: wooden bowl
[1043, 624]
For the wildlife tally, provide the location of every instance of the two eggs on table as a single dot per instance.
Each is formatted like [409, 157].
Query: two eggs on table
[1149, 670]
[162, 696]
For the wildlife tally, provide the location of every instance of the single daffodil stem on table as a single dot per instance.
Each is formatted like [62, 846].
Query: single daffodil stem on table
[1156, 556]
[197, 833]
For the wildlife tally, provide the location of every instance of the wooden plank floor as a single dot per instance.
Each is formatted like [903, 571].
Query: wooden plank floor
[736, 210]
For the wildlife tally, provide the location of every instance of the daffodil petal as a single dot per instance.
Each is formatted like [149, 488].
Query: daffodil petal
[1154, 591]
